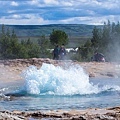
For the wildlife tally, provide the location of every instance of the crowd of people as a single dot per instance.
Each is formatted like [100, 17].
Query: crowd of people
[59, 52]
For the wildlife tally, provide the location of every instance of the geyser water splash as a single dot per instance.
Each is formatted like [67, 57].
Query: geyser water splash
[50, 79]
[56, 80]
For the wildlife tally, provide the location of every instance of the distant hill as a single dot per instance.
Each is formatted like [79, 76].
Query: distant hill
[38, 30]
[77, 33]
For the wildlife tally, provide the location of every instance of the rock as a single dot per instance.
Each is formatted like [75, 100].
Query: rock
[110, 74]
[91, 75]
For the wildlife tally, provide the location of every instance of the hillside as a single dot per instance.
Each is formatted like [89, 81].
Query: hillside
[38, 30]
[77, 33]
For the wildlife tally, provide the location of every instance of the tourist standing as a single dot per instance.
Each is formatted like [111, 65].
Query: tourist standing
[62, 52]
[56, 53]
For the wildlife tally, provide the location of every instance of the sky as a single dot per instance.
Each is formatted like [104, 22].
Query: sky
[43, 12]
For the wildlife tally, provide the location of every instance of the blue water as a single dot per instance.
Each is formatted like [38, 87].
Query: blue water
[53, 88]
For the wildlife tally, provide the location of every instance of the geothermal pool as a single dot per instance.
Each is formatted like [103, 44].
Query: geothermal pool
[53, 87]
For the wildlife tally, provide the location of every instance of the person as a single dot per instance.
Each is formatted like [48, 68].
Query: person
[98, 57]
[62, 52]
[56, 53]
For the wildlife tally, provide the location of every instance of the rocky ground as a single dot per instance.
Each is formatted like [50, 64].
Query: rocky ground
[88, 114]
[13, 68]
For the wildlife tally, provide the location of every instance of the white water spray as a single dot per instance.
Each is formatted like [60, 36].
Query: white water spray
[50, 79]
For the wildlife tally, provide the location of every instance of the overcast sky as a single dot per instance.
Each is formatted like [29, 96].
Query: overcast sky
[42, 12]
